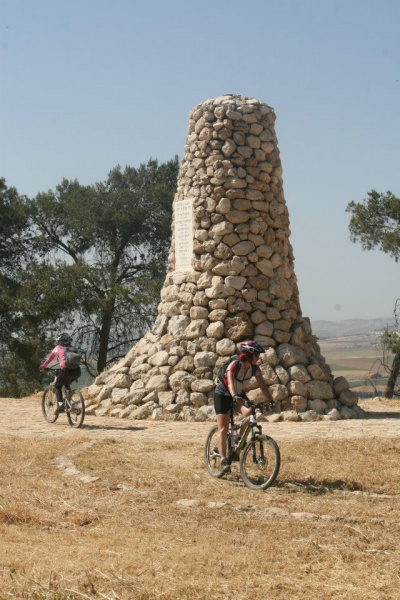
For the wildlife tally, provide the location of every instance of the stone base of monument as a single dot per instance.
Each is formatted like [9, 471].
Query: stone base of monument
[230, 277]
[296, 395]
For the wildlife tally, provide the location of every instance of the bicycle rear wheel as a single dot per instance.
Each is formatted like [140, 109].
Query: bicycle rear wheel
[49, 405]
[260, 462]
[211, 454]
[75, 409]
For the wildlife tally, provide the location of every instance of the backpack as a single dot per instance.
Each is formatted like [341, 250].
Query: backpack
[72, 358]
[222, 370]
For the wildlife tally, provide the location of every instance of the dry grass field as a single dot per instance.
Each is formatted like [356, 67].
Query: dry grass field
[94, 513]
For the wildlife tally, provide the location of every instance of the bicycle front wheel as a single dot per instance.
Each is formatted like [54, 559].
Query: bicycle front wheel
[75, 409]
[212, 457]
[49, 405]
[260, 462]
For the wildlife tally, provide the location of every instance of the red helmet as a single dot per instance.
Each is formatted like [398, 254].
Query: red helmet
[250, 347]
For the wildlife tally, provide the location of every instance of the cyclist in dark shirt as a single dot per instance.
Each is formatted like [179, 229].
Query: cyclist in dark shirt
[229, 391]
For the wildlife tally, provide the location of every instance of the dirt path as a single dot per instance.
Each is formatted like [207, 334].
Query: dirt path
[24, 418]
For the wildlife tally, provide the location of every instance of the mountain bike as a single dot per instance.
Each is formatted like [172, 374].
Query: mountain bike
[73, 404]
[258, 454]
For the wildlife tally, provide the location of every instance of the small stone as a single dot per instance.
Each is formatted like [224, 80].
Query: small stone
[185, 503]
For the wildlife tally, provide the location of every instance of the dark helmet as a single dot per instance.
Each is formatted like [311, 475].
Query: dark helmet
[63, 338]
[250, 347]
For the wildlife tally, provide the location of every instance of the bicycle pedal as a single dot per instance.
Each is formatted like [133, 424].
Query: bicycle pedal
[226, 467]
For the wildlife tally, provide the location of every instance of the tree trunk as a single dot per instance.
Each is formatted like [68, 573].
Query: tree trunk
[104, 337]
[394, 373]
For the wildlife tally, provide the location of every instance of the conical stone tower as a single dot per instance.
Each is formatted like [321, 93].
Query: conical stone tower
[230, 277]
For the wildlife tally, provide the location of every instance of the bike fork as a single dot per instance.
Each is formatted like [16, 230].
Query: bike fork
[260, 459]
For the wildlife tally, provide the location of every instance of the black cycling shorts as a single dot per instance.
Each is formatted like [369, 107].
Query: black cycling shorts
[66, 376]
[222, 403]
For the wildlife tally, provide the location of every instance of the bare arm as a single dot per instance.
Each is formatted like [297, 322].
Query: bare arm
[231, 384]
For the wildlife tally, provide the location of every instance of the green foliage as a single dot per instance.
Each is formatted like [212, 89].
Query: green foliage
[84, 259]
[20, 360]
[21, 342]
[104, 250]
[14, 242]
[13, 222]
[375, 223]
[391, 341]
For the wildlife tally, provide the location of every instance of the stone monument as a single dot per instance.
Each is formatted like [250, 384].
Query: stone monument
[230, 277]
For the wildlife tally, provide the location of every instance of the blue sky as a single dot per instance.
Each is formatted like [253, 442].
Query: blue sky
[89, 84]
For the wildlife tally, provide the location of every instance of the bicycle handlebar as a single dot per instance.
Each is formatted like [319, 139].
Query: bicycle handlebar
[268, 405]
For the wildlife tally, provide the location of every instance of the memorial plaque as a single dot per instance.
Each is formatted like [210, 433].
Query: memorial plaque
[183, 235]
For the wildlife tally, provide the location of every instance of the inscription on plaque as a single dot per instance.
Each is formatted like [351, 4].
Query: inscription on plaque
[183, 235]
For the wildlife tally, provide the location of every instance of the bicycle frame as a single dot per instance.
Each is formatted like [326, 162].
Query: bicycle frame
[257, 454]
[72, 403]
[252, 425]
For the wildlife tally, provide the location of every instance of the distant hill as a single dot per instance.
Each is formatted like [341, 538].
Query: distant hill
[327, 329]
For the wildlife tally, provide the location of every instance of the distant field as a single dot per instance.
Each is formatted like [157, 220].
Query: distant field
[353, 354]
[336, 368]
[355, 357]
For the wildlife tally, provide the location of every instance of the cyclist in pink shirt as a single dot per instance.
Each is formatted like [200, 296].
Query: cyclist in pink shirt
[66, 374]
